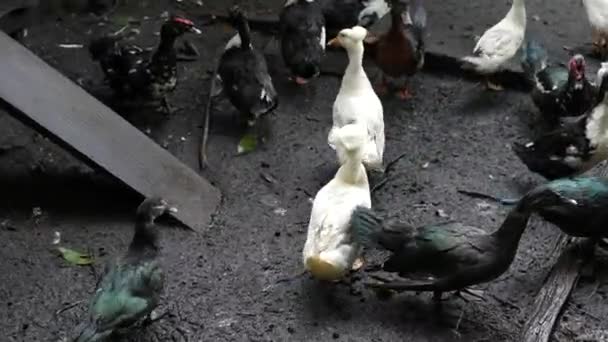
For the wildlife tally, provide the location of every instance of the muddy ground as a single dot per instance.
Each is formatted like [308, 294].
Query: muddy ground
[224, 284]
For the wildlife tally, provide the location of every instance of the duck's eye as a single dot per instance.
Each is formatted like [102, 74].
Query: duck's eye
[341, 35]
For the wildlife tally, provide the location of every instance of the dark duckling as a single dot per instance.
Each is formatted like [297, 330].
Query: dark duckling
[133, 77]
[131, 288]
[302, 38]
[578, 206]
[576, 146]
[243, 73]
[454, 255]
[399, 52]
[557, 91]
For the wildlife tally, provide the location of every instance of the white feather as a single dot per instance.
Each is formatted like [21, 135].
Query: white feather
[500, 42]
[374, 7]
[234, 42]
[597, 12]
[293, 2]
[323, 38]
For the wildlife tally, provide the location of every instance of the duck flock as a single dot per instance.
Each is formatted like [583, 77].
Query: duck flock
[439, 257]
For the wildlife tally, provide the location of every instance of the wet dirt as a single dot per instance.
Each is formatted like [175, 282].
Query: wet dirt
[227, 283]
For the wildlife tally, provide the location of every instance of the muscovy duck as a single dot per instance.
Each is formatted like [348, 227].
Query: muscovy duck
[302, 38]
[557, 91]
[131, 288]
[134, 78]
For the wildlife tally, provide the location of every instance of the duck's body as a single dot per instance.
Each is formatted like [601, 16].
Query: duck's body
[133, 76]
[575, 147]
[399, 52]
[454, 255]
[329, 251]
[132, 287]
[243, 73]
[303, 38]
[558, 91]
[357, 102]
[348, 13]
[499, 43]
[597, 12]
[576, 205]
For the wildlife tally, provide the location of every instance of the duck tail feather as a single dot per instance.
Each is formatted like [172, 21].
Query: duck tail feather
[367, 226]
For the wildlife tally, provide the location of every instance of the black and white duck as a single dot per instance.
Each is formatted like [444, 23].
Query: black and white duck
[576, 146]
[131, 75]
[557, 91]
[302, 38]
[131, 288]
[243, 72]
[448, 256]
[340, 14]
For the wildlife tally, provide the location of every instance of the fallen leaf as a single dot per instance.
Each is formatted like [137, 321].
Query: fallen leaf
[247, 144]
[74, 257]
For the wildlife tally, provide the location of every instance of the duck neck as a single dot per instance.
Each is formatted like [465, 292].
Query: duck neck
[355, 76]
[511, 230]
[145, 237]
[352, 171]
[242, 27]
[517, 13]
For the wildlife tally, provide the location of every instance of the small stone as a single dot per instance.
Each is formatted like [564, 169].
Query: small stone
[182, 139]
[426, 165]
[536, 17]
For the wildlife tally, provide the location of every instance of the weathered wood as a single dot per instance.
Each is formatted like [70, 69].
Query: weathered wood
[553, 295]
[53, 104]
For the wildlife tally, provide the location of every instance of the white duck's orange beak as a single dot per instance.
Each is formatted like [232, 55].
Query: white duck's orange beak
[334, 43]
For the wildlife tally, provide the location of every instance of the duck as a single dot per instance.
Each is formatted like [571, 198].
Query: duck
[441, 257]
[576, 205]
[575, 146]
[131, 288]
[597, 13]
[498, 44]
[348, 13]
[329, 251]
[357, 102]
[399, 51]
[557, 91]
[243, 73]
[303, 38]
[130, 75]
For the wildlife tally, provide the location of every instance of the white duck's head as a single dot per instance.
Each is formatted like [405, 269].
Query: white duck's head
[351, 137]
[349, 38]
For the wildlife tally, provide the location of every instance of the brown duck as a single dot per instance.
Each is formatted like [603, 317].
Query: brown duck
[399, 52]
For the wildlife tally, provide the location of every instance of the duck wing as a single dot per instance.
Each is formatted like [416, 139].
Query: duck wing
[497, 43]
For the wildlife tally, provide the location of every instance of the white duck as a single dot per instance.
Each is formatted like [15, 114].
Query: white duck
[499, 43]
[597, 12]
[357, 102]
[329, 251]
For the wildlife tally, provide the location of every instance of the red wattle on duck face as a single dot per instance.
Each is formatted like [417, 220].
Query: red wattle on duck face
[183, 21]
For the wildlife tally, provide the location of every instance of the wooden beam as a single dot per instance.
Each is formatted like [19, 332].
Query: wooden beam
[554, 294]
[53, 104]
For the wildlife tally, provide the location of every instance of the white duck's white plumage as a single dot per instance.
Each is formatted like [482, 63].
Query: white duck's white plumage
[330, 250]
[597, 12]
[357, 102]
[500, 42]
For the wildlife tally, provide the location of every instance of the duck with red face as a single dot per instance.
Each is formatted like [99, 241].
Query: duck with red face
[558, 91]
[135, 77]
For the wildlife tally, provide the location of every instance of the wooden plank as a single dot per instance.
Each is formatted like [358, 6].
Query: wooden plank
[554, 294]
[56, 105]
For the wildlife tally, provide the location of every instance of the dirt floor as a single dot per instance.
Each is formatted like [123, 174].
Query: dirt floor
[224, 284]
